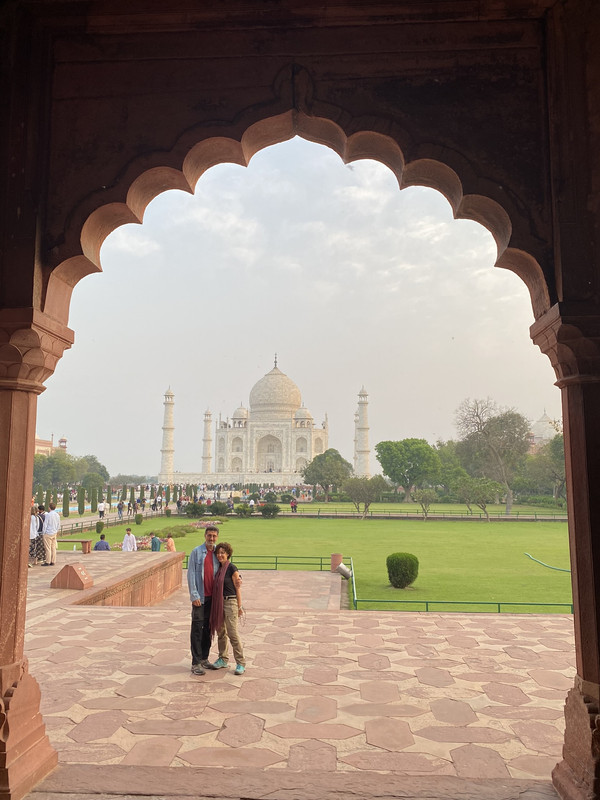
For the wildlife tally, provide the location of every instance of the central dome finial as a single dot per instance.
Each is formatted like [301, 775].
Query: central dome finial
[275, 360]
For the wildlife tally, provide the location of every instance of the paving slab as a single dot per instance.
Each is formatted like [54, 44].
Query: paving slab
[387, 700]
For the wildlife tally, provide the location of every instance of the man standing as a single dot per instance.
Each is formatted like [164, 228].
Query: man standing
[129, 542]
[202, 567]
[101, 509]
[155, 544]
[50, 532]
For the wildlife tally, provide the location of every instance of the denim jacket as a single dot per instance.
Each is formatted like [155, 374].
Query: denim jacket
[195, 573]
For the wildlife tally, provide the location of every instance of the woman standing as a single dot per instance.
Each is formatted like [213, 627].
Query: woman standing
[33, 532]
[226, 609]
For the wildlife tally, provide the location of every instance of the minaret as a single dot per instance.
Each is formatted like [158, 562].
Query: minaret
[168, 447]
[361, 436]
[207, 444]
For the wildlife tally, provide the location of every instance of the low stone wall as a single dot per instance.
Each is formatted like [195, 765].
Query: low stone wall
[147, 585]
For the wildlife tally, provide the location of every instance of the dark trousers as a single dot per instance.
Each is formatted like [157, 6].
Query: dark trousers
[200, 632]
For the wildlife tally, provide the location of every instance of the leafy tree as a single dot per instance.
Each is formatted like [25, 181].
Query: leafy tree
[409, 463]
[66, 498]
[479, 492]
[494, 442]
[136, 480]
[364, 491]
[327, 470]
[91, 464]
[425, 497]
[53, 470]
[81, 500]
[451, 470]
[92, 480]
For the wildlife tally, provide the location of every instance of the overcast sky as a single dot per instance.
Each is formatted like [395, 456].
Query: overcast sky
[350, 281]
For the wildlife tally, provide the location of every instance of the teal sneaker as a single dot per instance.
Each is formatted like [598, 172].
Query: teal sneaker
[219, 664]
[239, 669]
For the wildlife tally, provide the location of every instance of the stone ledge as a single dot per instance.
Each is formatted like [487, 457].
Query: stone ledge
[277, 784]
[143, 585]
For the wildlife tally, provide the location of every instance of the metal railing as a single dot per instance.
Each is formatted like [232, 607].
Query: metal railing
[89, 523]
[307, 563]
[515, 516]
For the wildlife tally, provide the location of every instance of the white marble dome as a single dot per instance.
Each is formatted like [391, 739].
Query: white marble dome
[275, 395]
[303, 413]
[240, 413]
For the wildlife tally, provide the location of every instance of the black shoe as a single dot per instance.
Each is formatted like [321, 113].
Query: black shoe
[197, 670]
[205, 663]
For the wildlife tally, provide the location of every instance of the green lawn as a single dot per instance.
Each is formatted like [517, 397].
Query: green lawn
[470, 561]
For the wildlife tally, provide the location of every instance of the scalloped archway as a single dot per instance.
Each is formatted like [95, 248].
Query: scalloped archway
[365, 144]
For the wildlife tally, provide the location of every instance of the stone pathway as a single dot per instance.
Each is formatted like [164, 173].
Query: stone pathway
[370, 698]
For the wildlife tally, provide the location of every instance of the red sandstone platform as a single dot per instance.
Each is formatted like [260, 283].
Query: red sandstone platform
[334, 703]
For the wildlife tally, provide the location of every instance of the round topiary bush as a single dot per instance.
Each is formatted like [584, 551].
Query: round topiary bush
[99, 526]
[139, 518]
[218, 509]
[269, 510]
[403, 569]
[167, 512]
[243, 510]
[195, 510]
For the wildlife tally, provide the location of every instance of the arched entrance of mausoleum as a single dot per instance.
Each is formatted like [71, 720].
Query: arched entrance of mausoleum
[92, 178]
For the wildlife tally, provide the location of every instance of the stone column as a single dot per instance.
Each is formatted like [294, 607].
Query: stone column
[207, 444]
[30, 346]
[573, 344]
[168, 442]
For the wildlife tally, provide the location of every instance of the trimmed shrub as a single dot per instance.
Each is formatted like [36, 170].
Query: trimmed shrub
[243, 510]
[167, 512]
[218, 509]
[195, 510]
[99, 526]
[403, 569]
[270, 510]
[270, 497]
[287, 498]
[139, 518]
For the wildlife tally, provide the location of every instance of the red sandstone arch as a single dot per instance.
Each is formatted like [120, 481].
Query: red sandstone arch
[424, 171]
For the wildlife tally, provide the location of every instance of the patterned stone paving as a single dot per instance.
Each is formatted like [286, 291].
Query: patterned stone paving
[339, 692]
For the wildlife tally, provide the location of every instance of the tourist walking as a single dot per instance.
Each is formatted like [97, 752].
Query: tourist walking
[120, 507]
[40, 553]
[170, 544]
[129, 542]
[226, 609]
[101, 509]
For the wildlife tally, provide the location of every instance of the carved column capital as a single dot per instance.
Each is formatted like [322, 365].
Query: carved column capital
[570, 338]
[31, 344]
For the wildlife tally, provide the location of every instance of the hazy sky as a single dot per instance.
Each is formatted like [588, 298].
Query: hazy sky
[350, 281]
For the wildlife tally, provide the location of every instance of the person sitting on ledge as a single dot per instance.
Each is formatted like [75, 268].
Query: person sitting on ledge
[102, 544]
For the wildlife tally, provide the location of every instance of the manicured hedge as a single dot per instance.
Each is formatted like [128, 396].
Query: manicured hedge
[403, 569]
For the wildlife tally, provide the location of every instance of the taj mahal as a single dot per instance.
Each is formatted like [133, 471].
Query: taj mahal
[269, 442]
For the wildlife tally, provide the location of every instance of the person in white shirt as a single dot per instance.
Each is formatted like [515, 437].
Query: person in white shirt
[129, 542]
[50, 532]
[101, 509]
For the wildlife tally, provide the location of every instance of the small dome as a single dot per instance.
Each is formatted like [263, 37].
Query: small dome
[240, 413]
[303, 413]
[543, 430]
[275, 395]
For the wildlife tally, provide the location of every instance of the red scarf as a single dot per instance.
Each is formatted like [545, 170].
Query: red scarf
[217, 611]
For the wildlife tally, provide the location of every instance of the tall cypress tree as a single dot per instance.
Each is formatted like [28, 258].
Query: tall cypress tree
[66, 498]
[40, 496]
[124, 493]
[94, 500]
[175, 494]
[80, 500]
[152, 495]
[55, 496]
[109, 496]
[100, 496]
[48, 498]
[132, 495]
[168, 495]
[142, 492]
